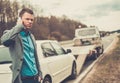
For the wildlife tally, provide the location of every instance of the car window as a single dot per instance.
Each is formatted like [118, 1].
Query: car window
[59, 50]
[48, 49]
[4, 55]
[87, 32]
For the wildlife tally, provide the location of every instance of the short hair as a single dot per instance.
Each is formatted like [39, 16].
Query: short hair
[25, 10]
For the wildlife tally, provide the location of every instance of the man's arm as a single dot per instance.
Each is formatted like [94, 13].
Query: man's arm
[8, 36]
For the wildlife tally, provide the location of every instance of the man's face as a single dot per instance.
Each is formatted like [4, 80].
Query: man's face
[27, 20]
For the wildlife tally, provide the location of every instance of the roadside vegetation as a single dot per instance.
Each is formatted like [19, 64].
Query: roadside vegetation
[107, 70]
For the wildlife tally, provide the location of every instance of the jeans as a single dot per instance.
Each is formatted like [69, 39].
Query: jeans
[29, 81]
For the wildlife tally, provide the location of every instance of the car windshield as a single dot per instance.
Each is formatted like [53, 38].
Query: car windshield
[4, 55]
[87, 32]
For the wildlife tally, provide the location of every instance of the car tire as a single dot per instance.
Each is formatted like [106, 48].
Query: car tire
[100, 50]
[74, 71]
[47, 80]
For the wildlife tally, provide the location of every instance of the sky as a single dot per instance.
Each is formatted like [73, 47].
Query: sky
[105, 14]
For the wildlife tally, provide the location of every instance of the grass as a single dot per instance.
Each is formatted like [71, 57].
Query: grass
[107, 69]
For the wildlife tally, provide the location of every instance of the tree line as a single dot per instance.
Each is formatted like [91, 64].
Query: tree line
[43, 28]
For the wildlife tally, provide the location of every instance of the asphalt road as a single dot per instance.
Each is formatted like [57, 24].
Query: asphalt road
[106, 42]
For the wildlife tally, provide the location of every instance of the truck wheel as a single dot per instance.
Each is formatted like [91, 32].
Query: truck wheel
[100, 51]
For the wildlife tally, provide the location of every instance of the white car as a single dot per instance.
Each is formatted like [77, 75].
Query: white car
[89, 36]
[5, 62]
[55, 62]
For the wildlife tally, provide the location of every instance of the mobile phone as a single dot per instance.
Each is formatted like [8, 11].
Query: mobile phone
[19, 21]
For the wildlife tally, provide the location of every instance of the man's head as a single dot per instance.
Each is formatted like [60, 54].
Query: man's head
[27, 17]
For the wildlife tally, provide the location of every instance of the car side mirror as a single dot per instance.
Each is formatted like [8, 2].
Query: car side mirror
[48, 52]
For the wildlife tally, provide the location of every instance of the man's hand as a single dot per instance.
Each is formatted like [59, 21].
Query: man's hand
[19, 20]
[39, 79]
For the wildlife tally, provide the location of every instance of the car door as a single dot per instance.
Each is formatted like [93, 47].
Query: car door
[63, 60]
[56, 60]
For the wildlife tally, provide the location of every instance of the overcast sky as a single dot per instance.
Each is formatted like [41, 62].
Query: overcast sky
[102, 13]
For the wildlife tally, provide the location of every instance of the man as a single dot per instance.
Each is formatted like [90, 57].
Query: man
[25, 65]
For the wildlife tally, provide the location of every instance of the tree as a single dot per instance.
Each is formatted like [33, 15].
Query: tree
[8, 14]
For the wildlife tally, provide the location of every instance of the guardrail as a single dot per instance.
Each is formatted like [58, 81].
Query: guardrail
[66, 42]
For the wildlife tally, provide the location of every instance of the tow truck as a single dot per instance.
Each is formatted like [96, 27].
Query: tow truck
[88, 40]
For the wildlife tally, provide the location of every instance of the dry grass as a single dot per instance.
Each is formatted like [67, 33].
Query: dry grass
[107, 69]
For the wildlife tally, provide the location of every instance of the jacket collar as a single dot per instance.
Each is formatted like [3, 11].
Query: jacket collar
[25, 32]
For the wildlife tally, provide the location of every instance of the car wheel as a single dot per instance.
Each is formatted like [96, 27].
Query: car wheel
[47, 80]
[74, 71]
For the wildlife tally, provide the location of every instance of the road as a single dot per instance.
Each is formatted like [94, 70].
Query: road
[106, 42]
